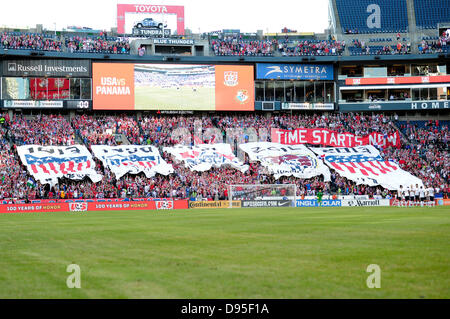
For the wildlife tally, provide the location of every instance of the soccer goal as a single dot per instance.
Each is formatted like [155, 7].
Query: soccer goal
[260, 195]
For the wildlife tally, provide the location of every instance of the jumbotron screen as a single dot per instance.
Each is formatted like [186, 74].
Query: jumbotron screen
[127, 86]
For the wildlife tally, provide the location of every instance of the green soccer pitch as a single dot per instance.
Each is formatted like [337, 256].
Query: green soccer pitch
[228, 253]
[184, 98]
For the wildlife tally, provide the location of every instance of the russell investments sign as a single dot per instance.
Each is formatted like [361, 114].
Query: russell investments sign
[72, 68]
[294, 71]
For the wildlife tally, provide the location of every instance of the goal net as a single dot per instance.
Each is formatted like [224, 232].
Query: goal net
[259, 195]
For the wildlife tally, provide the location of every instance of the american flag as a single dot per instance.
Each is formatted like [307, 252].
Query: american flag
[134, 160]
[58, 165]
[370, 166]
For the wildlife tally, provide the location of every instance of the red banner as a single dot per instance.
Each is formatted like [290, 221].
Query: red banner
[399, 80]
[94, 206]
[319, 136]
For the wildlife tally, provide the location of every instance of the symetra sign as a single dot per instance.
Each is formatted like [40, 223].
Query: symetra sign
[294, 71]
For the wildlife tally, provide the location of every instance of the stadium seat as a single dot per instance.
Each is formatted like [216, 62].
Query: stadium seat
[431, 12]
[353, 16]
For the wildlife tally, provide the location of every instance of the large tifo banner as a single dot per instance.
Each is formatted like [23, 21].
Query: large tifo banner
[48, 163]
[320, 136]
[364, 165]
[132, 159]
[286, 160]
[192, 87]
[203, 157]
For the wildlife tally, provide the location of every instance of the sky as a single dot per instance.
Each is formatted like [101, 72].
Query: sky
[200, 15]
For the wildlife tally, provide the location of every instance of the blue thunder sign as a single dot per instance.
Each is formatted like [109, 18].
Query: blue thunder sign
[294, 71]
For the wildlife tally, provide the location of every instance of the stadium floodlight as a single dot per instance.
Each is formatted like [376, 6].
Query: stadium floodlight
[263, 193]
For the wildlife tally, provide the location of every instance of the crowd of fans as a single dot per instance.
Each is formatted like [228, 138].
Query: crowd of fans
[424, 153]
[399, 48]
[439, 46]
[97, 45]
[225, 46]
[26, 41]
[41, 130]
[308, 47]
[235, 46]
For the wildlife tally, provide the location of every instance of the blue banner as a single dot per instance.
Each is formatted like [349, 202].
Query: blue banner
[294, 71]
[315, 203]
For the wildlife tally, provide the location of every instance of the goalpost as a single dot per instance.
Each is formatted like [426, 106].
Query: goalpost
[263, 192]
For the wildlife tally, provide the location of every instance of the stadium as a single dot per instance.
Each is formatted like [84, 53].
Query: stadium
[161, 163]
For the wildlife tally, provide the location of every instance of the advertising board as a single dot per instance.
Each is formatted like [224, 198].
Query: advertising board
[315, 203]
[126, 86]
[129, 15]
[365, 203]
[398, 80]
[94, 206]
[294, 71]
[214, 204]
[33, 104]
[395, 106]
[308, 106]
[51, 68]
[266, 203]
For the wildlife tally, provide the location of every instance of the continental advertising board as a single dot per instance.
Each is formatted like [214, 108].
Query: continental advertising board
[127, 86]
[214, 204]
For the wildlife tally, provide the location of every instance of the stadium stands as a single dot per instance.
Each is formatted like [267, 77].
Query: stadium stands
[431, 12]
[442, 44]
[354, 16]
[97, 45]
[233, 46]
[424, 150]
[426, 158]
[29, 41]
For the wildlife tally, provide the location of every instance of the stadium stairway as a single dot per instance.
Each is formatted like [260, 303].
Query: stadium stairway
[121, 139]
[337, 20]
[396, 125]
[412, 26]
